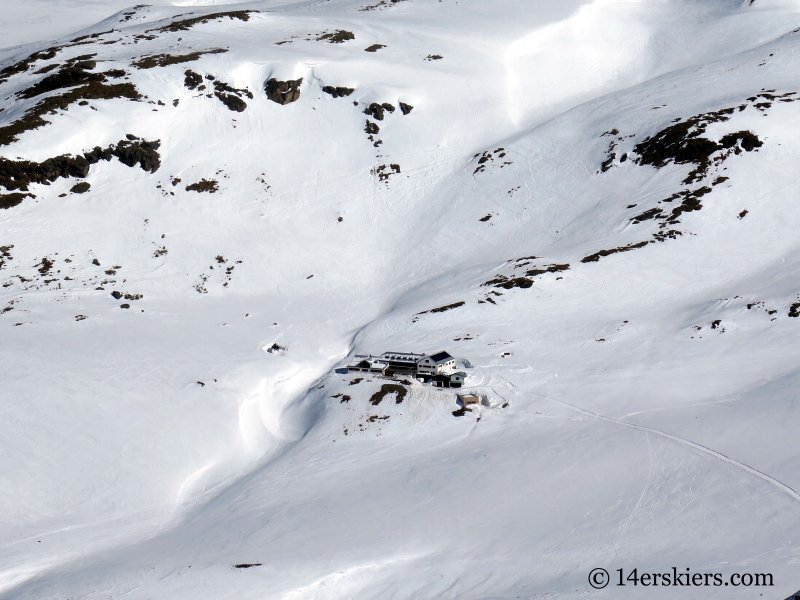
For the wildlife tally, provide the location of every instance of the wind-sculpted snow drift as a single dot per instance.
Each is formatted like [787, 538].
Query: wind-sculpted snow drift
[206, 211]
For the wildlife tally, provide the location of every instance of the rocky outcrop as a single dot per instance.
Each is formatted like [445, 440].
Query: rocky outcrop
[283, 92]
[338, 91]
[19, 174]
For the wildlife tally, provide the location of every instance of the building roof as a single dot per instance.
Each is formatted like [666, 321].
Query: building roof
[441, 357]
[372, 360]
[401, 356]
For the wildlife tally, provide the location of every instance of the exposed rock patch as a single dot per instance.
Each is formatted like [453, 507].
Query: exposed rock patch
[380, 5]
[374, 48]
[18, 175]
[186, 24]
[598, 255]
[204, 185]
[384, 172]
[442, 309]
[377, 111]
[26, 63]
[231, 97]
[192, 80]
[164, 60]
[120, 295]
[143, 153]
[338, 91]
[550, 269]
[505, 282]
[682, 143]
[283, 92]
[68, 76]
[489, 157]
[337, 37]
[10, 201]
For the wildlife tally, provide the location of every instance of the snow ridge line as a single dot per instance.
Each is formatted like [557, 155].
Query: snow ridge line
[718, 455]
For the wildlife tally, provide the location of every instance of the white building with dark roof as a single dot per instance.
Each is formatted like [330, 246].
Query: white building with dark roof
[436, 364]
[449, 379]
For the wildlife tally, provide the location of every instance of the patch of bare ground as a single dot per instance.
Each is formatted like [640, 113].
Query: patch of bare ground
[549, 269]
[598, 255]
[90, 36]
[10, 201]
[186, 24]
[386, 389]
[26, 63]
[193, 80]
[380, 5]
[164, 60]
[128, 15]
[682, 142]
[204, 185]
[337, 37]
[371, 128]
[443, 308]
[19, 174]
[374, 47]
[505, 282]
[5, 255]
[377, 111]
[440, 309]
[230, 96]
[70, 75]
[338, 91]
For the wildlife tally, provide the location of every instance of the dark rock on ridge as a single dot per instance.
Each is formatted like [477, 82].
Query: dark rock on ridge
[18, 175]
[283, 92]
[338, 91]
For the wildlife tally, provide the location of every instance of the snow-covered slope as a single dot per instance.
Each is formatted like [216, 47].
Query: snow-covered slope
[600, 196]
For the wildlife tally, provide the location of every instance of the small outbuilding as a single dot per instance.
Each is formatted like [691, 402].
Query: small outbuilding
[469, 399]
[449, 380]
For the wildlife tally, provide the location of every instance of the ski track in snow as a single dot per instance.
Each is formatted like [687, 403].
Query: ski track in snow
[718, 455]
